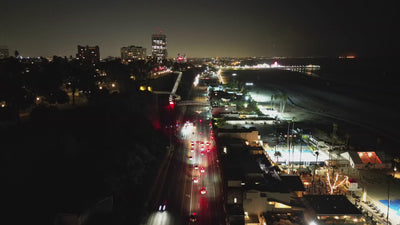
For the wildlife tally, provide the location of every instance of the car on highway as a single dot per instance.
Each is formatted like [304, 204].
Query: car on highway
[196, 167]
[190, 157]
[162, 207]
[193, 217]
[203, 191]
[202, 170]
[192, 149]
[195, 180]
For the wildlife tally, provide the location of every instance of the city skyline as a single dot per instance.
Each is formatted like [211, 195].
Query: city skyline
[206, 29]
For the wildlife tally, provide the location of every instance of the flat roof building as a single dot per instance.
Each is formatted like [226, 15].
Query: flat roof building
[130, 53]
[159, 47]
[3, 52]
[89, 54]
[332, 209]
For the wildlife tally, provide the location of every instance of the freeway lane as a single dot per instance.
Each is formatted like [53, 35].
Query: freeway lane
[206, 206]
[174, 182]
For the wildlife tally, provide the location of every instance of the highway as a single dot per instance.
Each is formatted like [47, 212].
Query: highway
[188, 182]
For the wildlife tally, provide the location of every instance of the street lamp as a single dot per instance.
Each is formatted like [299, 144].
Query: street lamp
[388, 195]
[388, 204]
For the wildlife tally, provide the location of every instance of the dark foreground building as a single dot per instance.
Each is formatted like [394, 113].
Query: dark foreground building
[88, 54]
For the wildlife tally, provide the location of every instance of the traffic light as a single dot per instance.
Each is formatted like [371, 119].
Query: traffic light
[171, 104]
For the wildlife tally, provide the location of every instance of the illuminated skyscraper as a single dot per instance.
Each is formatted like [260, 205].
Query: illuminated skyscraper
[3, 52]
[88, 54]
[130, 53]
[159, 47]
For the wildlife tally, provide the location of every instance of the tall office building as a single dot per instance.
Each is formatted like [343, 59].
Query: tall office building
[159, 47]
[3, 52]
[130, 53]
[88, 54]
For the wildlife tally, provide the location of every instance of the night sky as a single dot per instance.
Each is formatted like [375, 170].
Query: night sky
[202, 28]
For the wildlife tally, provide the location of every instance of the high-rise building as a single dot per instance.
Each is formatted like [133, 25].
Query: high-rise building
[159, 47]
[130, 53]
[88, 54]
[3, 52]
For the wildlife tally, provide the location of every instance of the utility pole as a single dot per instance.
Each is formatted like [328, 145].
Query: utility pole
[288, 143]
[291, 141]
[301, 151]
[388, 204]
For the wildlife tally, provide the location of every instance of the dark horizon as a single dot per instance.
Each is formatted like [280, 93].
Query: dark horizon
[206, 29]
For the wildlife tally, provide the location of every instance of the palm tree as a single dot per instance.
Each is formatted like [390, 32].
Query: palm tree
[396, 160]
[347, 140]
[291, 138]
[277, 154]
[287, 139]
[301, 151]
[272, 101]
[316, 164]
[284, 99]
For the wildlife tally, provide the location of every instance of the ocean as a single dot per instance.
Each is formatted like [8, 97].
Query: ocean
[358, 94]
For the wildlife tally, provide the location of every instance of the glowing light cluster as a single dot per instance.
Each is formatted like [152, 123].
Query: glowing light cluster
[187, 128]
[196, 80]
[335, 183]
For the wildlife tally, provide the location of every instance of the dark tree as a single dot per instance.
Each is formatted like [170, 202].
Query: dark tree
[13, 88]
[80, 76]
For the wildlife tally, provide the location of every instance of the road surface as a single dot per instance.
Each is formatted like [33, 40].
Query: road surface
[181, 177]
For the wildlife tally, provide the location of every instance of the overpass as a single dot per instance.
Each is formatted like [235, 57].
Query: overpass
[174, 95]
[193, 103]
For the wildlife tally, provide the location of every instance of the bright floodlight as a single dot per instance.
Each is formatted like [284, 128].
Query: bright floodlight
[187, 129]
[196, 80]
